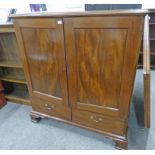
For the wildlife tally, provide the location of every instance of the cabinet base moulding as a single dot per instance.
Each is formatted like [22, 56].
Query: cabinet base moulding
[121, 141]
[121, 145]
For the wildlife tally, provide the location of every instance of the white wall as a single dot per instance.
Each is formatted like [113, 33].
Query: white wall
[24, 8]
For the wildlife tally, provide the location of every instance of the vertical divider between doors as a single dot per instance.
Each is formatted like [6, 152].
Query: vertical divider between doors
[65, 50]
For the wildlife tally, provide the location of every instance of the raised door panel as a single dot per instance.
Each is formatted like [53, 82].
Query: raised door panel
[43, 47]
[100, 74]
[99, 59]
[42, 54]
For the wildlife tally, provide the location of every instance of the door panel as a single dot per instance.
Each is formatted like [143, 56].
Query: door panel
[96, 53]
[99, 59]
[44, 60]
[42, 54]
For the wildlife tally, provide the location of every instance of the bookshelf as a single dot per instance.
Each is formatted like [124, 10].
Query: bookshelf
[11, 69]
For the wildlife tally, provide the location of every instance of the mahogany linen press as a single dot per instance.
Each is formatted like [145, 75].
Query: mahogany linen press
[80, 67]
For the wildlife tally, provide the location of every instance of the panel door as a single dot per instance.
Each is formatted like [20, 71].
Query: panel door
[42, 45]
[102, 55]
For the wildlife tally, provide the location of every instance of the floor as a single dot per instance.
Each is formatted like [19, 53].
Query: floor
[18, 132]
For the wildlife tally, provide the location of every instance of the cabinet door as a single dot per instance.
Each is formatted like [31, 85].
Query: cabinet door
[41, 41]
[102, 55]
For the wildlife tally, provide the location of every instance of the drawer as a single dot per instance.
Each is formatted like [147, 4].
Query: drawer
[100, 122]
[51, 109]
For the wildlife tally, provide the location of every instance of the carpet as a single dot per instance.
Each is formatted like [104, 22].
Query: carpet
[17, 132]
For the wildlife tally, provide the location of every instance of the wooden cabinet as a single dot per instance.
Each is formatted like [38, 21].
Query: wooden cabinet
[80, 67]
[11, 69]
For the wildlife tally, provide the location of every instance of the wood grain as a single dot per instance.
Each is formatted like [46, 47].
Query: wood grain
[81, 68]
[100, 72]
[97, 84]
[147, 101]
[42, 47]
[41, 51]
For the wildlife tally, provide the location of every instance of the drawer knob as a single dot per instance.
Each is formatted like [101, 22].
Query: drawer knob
[96, 119]
[49, 107]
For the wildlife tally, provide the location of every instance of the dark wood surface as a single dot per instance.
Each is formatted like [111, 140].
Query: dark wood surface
[98, 69]
[76, 74]
[44, 61]
[147, 97]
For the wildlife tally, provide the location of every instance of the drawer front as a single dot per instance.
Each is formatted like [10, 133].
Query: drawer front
[51, 109]
[99, 122]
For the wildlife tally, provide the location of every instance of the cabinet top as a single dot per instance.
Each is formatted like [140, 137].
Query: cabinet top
[82, 13]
